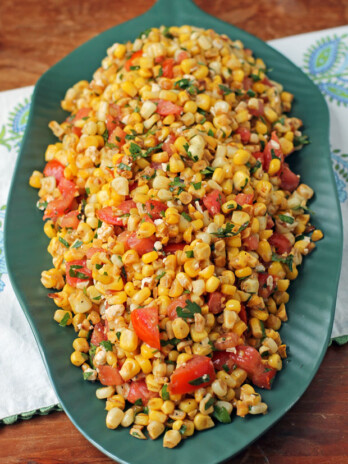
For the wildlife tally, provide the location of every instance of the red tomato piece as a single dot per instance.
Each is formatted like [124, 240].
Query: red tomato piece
[213, 201]
[111, 123]
[154, 208]
[182, 56]
[222, 361]
[109, 375]
[126, 206]
[111, 215]
[131, 60]
[198, 370]
[289, 180]
[215, 302]
[181, 301]
[140, 245]
[252, 242]
[244, 198]
[280, 243]
[243, 314]
[257, 111]
[98, 334]
[78, 266]
[54, 168]
[70, 220]
[82, 113]
[138, 390]
[249, 359]
[272, 148]
[167, 146]
[56, 208]
[77, 131]
[244, 134]
[265, 288]
[91, 251]
[173, 247]
[167, 68]
[266, 81]
[123, 237]
[269, 223]
[247, 83]
[117, 137]
[145, 323]
[263, 375]
[166, 107]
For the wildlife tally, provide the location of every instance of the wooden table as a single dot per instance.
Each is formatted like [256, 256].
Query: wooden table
[34, 35]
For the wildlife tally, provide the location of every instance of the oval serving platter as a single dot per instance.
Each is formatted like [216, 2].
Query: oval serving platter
[313, 295]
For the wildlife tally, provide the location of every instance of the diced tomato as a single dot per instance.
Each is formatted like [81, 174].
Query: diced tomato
[91, 251]
[145, 323]
[289, 180]
[167, 68]
[252, 242]
[111, 123]
[54, 168]
[265, 289]
[263, 375]
[281, 243]
[249, 359]
[156, 166]
[109, 375]
[266, 81]
[166, 107]
[243, 314]
[182, 56]
[272, 148]
[270, 222]
[259, 156]
[133, 185]
[132, 59]
[222, 361]
[197, 370]
[126, 206]
[167, 146]
[98, 334]
[123, 238]
[213, 201]
[138, 390]
[215, 302]
[77, 131]
[244, 198]
[70, 220]
[257, 111]
[244, 134]
[181, 301]
[110, 215]
[173, 247]
[140, 245]
[82, 113]
[78, 266]
[247, 83]
[154, 208]
[56, 208]
[117, 137]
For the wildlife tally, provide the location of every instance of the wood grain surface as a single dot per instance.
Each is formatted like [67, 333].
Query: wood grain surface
[35, 34]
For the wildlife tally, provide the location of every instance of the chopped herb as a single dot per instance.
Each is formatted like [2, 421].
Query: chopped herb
[274, 156]
[189, 253]
[177, 182]
[168, 361]
[197, 185]
[77, 274]
[183, 83]
[183, 429]
[145, 33]
[255, 77]
[286, 218]
[256, 167]
[138, 402]
[262, 145]
[42, 204]
[226, 90]
[281, 120]
[228, 230]
[146, 410]
[288, 260]
[208, 171]
[160, 72]
[97, 298]
[135, 150]
[64, 242]
[124, 167]
[189, 154]
[91, 352]
[304, 208]
[221, 414]
[210, 133]
[105, 135]
[151, 149]
[159, 276]
[165, 393]
[251, 93]
[64, 320]
[99, 266]
[106, 344]
[203, 379]
[130, 137]
[77, 244]
[134, 68]
[301, 140]
[118, 335]
[146, 177]
[225, 368]
[86, 375]
[299, 237]
[85, 118]
[209, 403]
[172, 341]
[167, 34]
[88, 191]
[186, 216]
[187, 291]
[189, 310]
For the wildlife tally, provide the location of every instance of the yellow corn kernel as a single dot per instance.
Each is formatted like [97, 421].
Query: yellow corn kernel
[286, 97]
[150, 257]
[244, 272]
[317, 235]
[176, 164]
[35, 179]
[207, 272]
[49, 229]
[219, 175]
[141, 419]
[198, 336]
[203, 101]
[270, 114]
[155, 429]
[190, 107]
[77, 358]
[180, 328]
[155, 404]
[145, 364]
[276, 269]
[129, 369]
[168, 407]
[275, 361]
[256, 327]
[239, 328]
[261, 128]
[241, 157]
[212, 284]
[233, 305]
[129, 289]
[146, 351]
[228, 289]
[172, 437]
[264, 250]
[274, 166]
[141, 295]
[81, 344]
[128, 340]
[229, 206]
[60, 314]
[157, 416]
[191, 267]
[203, 422]
[283, 285]
[286, 145]
[179, 144]
[183, 358]
[197, 224]
[188, 405]
[129, 88]
[145, 230]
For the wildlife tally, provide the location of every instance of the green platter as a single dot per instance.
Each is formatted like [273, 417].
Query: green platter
[313, 295]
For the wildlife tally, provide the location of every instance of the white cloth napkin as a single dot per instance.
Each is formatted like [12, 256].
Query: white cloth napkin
[25, 388]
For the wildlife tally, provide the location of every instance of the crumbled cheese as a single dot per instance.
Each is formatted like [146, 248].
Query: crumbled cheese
[231, 350]
[275, 144]
[164, 167]
[269, 281]
[114, 311]
[157, 246]
[146, 280]
[198, 206]
[83, 284]
[100, 358]
[260, 268]
[105, 231]
[93, 375]
[157, 222]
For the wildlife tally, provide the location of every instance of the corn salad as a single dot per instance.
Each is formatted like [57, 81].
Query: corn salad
[175, 227]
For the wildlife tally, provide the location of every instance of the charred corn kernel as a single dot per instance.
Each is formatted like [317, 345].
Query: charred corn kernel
[188, 405]
[149, 257]
[172, 437]
[128, 340]
[274, 166]
[60, 314]
[207, 272]
[157, 416]
[146, 351]
[317, 235]
[203, 422]
[228, 289]
[155, 429]
[244, 272]
[146, 229]
[35, 179]
[114, 418]
[241, 157]
[275, 361]
[212, 284]
[141, 419]
[168, 407]
[233, 305]
[129, 369]
[145, 364]
[190, 107]
[203, 101]
[77, 358]
[81, 344]
[180, 328]
[276, 269]
[240, 327]
[256, 327]
[141, 295]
